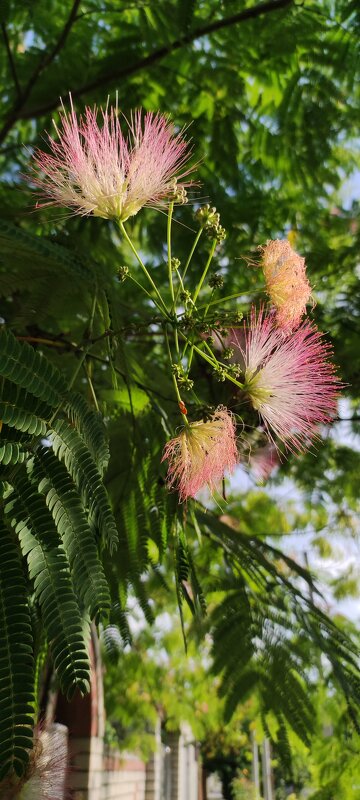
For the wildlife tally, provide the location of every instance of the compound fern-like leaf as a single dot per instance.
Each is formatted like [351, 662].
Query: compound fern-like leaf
[16, 660]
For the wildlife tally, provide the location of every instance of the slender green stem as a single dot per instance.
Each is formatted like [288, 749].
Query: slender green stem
[212, 360]
[192, 251]
[207, 265]
[208, 305]
[161, 305]
[190, 358]
[219, 301]
[91, 386]
[179, 399]
[181, 284]
[145, 292]
[171, 286]
[82, 357]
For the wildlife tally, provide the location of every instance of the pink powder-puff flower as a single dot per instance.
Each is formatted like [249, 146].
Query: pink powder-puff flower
[201, 454]
[286, 282]
[289, 380]
[93, 168]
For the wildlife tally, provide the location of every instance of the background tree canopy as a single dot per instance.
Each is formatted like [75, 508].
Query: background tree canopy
[269, 92]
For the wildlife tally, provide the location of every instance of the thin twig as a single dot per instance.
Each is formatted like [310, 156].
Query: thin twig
[108, 78]
[47, 58]
[11, 59]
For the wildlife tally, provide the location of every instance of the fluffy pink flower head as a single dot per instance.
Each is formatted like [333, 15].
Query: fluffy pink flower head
[201, 454]
[94, 169]
[290, 381]
[286, 282]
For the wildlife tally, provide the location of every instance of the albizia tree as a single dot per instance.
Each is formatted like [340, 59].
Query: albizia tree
[239, 375]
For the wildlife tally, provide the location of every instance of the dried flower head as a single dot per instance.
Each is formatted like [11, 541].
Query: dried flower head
[290, 381]
[286, 282]
[94, 169]
[201, 454]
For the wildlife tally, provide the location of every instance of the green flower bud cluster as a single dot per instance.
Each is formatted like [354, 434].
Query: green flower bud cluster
[206, 216]
[227, 353]
[220, 373]
[179, 195]
[216, 281]
[175, 264]
[225, 319]
[181, 377]
[188, 322]
[123, 273]
[185, 296]
[215, 232]
[234, 370]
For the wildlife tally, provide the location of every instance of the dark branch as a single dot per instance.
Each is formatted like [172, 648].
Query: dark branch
[11, 59]
[157, 55]
[46, 59]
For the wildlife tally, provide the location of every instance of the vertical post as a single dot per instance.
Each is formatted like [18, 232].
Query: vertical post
[154, 767]
[266, 770]
[255, 771]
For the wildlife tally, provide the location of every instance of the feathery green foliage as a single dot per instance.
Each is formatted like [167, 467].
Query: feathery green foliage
[54, 517]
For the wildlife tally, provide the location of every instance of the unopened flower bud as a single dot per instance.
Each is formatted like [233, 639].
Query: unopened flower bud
[235, 370]
[215, 231]
[216, 281]
[227, 353]
[175, 264]
[206, 215]
[186, 383]
[177, 370]
[220, 373]
[179, 194]
[123, 273]
[185, 296]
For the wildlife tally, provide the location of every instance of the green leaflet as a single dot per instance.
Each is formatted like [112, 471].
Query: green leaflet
[28, 369]
[64, 504]
[50, 572]
[69, 448]
[56, 511]
[16, 660]
[90, 426]
[257, 602]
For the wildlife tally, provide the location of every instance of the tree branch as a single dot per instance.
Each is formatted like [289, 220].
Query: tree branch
[11, 59]
[157, 55]
[46, 59]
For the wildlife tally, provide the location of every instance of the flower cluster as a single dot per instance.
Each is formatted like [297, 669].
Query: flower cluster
[94, 169]
[286, 282]
[283, 363]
